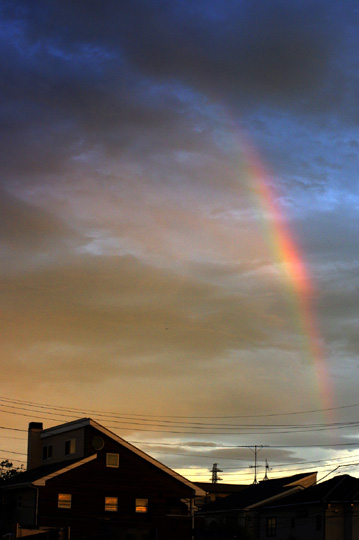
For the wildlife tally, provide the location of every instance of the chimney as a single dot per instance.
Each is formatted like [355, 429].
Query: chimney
[34, 446]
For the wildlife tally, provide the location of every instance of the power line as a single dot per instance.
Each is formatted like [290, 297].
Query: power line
[12, 429]
[226, 429]
[123, 415]
[23, 408]
[13, 452]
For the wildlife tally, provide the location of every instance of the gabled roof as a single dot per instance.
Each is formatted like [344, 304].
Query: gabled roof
[340, 489]
[66, 467]
[39, 475]
[84, 422]
[257, 494]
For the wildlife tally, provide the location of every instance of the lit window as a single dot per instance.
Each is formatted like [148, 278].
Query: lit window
[141, 506]
[47, 452]
[111, 504]
[70, 447]
[271, 527]
[112, 460]
[64, 500]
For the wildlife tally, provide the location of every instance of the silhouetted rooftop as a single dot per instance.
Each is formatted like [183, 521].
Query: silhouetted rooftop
[220, 487]
[343, 488]
[27, 477]
[256, 493]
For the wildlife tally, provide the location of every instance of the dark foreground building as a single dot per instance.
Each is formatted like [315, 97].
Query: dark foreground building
[84, 481]
[326, 511]
[238, 516]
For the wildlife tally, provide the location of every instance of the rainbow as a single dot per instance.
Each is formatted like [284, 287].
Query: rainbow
[287, 255]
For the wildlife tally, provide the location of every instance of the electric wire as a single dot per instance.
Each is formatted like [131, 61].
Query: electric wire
[225, 429]
[124, 415]
[20, 407]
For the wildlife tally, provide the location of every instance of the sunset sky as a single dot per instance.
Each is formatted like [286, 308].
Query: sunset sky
[179, 234]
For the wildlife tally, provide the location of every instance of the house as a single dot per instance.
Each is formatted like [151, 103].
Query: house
[82, 480]
[214, 491]
[237, 515]
[326, 511]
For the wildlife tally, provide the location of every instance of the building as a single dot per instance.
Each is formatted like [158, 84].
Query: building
[82, 480]
[214, 491]
[326, 511]
[238, 514]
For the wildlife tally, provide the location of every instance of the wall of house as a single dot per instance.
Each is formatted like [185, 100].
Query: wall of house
[26, 506]
[306, 521]
[17, 506]
[58, 443]
[313, 521]
[134, 471]
[355, 521]
[134, 478]
[342, 522]
[225, 524]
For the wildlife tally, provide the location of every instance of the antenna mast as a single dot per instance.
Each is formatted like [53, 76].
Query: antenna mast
[267, 468]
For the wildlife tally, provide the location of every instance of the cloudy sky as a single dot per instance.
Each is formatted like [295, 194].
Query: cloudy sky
[179, 228]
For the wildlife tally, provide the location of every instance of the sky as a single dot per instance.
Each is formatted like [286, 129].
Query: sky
[179, 228]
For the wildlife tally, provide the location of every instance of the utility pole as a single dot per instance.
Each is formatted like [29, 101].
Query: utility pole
[256, 449]
[215, 476]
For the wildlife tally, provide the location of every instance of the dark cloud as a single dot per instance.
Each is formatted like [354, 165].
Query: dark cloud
[267, 48]
[245, 51]
[80, 78]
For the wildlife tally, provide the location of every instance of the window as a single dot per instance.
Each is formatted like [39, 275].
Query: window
[111, 504]
[112, 460]
[141, 506]
[47, 452]
[70, 447]
[271, 527]
[64, 500]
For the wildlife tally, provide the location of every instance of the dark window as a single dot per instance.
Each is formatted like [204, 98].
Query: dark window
[70, 447]
[112, 460]
[271, 527]
[47, 452]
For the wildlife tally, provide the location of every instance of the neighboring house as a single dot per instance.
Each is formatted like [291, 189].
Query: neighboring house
[216, 490]
[82, 480]
[326, 511]
[237, 515]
